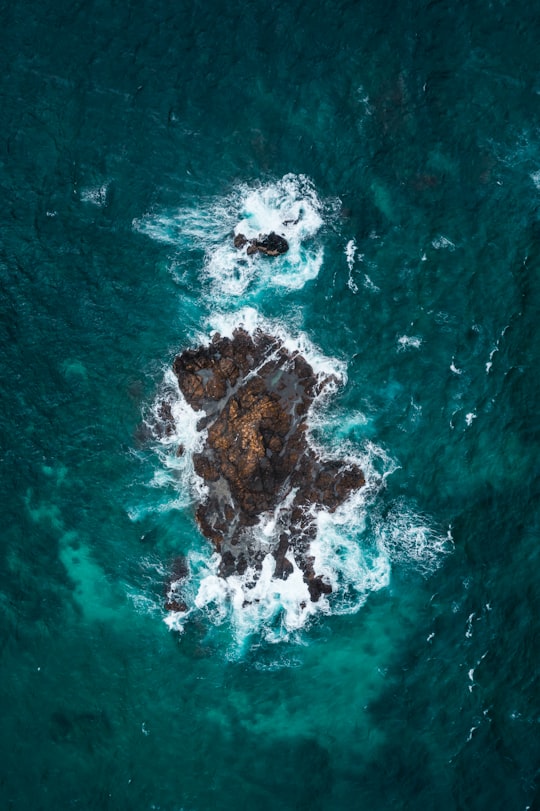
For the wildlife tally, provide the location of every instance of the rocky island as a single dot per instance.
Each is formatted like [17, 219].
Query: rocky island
[263, 477]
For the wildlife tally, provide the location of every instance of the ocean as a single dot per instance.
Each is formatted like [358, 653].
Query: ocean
[401, 144]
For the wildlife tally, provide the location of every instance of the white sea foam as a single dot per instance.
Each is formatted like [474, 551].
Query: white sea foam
[278, 607]
[442, 242]
[350, 256]
[350, 253]
[409, 342]
[409, 537]
[495, 349]
[176, 469]
[353, 567]
[535, 177]
[289, 207]
[471, 733]
[96, 195]
[454, 368]
[370, 285]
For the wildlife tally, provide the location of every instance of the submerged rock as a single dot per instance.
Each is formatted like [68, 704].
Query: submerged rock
[271, 244]
[263, 476]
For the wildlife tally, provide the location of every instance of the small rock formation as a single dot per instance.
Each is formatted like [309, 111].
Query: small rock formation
[254, 396]
[240, 241]
[272, 244]
[165, 423]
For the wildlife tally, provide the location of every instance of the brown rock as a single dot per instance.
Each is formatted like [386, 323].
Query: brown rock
[240, 240]
[175, 605]
[255, 396]
[272, 245]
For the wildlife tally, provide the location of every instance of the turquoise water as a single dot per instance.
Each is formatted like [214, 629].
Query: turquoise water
[135, 138]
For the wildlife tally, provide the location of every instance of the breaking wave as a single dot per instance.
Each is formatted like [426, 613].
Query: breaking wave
[290, 207]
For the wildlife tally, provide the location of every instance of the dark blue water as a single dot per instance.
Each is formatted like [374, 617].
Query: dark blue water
[135, 138]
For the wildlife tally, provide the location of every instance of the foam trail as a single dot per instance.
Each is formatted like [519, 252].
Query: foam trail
[409, 342]
[350, 253]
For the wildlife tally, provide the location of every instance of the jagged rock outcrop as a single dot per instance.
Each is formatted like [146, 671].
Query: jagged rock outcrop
[263, 477]
[271, 244]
